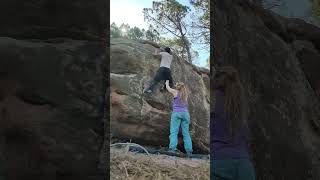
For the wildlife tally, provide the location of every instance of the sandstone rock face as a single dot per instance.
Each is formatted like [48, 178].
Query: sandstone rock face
[51, 99]
[278, 59]
[145, 119]
[53, 80]
[292, 8]
[43, 19]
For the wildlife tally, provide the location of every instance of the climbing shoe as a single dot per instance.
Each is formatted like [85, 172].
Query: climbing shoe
[174, 152]
[189, 154]
[147, 91]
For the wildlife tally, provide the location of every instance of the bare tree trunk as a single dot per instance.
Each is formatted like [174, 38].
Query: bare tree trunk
[185, 42]
[182, 52]
[187, 47]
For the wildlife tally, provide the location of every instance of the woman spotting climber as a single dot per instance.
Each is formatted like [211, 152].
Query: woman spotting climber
[229, 157]
[180, 116]
[164, 72]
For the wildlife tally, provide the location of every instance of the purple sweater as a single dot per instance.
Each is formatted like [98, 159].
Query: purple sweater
[221, 147]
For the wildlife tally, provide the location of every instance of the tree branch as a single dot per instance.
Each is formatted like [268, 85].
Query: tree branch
[184, 26]
[170, 19]
[163, 26]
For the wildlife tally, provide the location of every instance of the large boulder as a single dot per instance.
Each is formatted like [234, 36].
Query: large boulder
[51, 108]
[278, 60]
[43, 19]
[53, 80]
[145, 119]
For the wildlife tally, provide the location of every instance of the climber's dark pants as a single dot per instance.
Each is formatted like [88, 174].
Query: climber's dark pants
[163, 73]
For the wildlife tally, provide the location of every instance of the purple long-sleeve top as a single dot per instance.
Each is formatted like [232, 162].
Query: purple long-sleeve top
[221, 145]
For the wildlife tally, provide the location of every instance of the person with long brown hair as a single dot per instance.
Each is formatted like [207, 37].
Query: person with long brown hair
[180, 117]
[229, 130]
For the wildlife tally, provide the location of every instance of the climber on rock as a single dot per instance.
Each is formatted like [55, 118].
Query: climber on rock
[229, 130]
[164, 72]
[180, 117]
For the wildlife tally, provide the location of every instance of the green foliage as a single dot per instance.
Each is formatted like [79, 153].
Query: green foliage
[171, 42]
[114, 31]
[316, 10]
[152, 34]
[124, 28]
[135, 33]
[169, 16]
[125, 31]
[201, 21]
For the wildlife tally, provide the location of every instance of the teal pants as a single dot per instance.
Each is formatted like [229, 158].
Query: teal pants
[233, 169]
[180, 119]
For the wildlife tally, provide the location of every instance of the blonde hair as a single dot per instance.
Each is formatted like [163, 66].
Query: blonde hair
[181, 87]
[227, 79]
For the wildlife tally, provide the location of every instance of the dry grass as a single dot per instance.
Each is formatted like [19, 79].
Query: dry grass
[133, 166]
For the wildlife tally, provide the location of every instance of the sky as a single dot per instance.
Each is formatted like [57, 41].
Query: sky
[130, 12]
